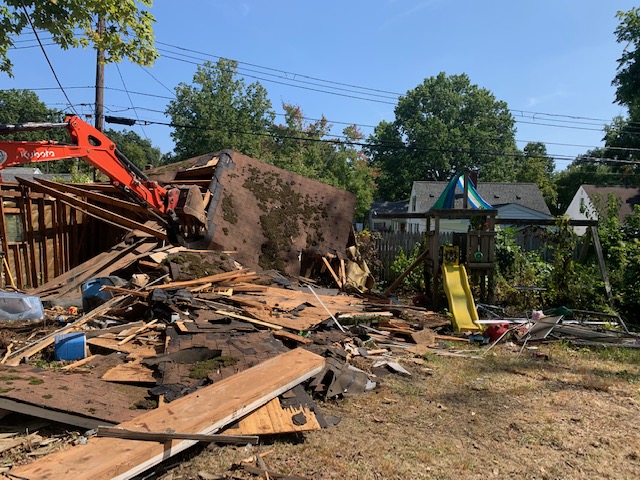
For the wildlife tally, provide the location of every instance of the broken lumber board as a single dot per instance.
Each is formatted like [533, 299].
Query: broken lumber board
[204, 411]
[131, 372]
[273, 418]
[217, 278]
[99, 197]
[140, 351]
[332, 272]
[263, 473]
[50, 414]
[100, 213]
[79, 363]
[138, 331]
[450, 338]
[284, 335]
[249, 319]
[116, 432]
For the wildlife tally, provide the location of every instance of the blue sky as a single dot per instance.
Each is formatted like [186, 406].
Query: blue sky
[552, 61]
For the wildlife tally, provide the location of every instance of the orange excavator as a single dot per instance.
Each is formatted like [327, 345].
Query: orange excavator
[180, 208]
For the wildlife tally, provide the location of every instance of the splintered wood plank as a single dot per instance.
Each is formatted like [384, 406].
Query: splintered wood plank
[132, 372]
[204, 411]
[273, 418]
[140, 351]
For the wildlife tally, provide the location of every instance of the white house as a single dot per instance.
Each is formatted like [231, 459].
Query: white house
[591, 198]
[381, 216]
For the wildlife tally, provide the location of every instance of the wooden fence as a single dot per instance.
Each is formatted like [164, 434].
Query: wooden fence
[390, 243]
[389, 246]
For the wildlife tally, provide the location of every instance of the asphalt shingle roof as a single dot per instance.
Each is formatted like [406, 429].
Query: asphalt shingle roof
[629, 196]
[495, 193]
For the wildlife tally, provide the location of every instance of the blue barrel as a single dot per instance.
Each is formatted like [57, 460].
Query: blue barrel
[70, 346]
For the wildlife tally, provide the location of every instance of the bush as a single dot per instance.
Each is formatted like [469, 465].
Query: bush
[415, 280]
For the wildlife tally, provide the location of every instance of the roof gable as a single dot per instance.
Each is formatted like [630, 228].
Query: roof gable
[495, 193]
[628, 196]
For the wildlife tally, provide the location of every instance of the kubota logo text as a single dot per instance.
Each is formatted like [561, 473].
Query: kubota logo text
[34, 155]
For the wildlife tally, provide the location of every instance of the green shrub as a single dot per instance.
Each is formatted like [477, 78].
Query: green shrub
[415, 280]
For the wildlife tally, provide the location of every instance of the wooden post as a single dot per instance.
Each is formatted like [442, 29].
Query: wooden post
[601, 264]
[44, 244]
[28, 222]
[3, 230]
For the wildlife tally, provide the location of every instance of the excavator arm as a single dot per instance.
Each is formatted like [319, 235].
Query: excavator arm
[181, 207]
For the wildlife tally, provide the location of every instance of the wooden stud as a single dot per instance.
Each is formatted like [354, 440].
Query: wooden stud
[332, 272]
[3, 228]
[44, 244]
[202, 412]
[35, 267]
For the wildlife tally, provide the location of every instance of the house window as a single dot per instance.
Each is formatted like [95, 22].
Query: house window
[413, 203]
[378, 226]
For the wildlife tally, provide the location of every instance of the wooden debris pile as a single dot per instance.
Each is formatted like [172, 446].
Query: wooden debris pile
[195, 348]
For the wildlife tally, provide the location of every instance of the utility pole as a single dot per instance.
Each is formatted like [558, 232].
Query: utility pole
[99, 120]
[99, 110]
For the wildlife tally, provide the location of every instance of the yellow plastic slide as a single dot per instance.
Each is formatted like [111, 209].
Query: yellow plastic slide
[461, 304]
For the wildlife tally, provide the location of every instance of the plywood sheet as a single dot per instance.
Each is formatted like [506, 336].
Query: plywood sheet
[132, 372]
[204, 411]
[273, 418]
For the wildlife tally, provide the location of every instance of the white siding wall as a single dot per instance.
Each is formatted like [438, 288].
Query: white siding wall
[581, 208]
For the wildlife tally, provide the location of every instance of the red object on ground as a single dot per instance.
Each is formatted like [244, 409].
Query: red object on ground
[496, 330]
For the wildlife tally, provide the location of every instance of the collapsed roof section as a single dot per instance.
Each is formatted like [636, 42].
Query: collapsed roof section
[272, 218]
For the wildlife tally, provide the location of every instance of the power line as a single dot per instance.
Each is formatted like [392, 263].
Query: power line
[282, 71]
[162, 84]
[24, 8]
[121, 108]
[335, 141]
[290, 84]
[295, 77]
[131, 101]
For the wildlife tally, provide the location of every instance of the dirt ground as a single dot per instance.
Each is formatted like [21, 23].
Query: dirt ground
[552, 413]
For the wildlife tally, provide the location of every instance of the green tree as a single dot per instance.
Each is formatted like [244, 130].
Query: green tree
[443, 126]
[537, 167]
[24, 106]
[584, 170]
[128, 32]
[220, 111]
[627, 79]
[137, 149]
[622, 140]
[303, 147]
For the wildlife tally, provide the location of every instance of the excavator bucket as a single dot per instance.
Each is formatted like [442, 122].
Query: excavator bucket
[191, 207]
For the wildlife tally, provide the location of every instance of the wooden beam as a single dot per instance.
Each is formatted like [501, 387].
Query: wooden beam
[3, 231]
[202, 412]
[95, 211]
[162, 437]
[603, 268]
[331, 271]
[49, 414]
[28, 222]
[44, 250]
[399, 280]
[249, 319]
[98, 197]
